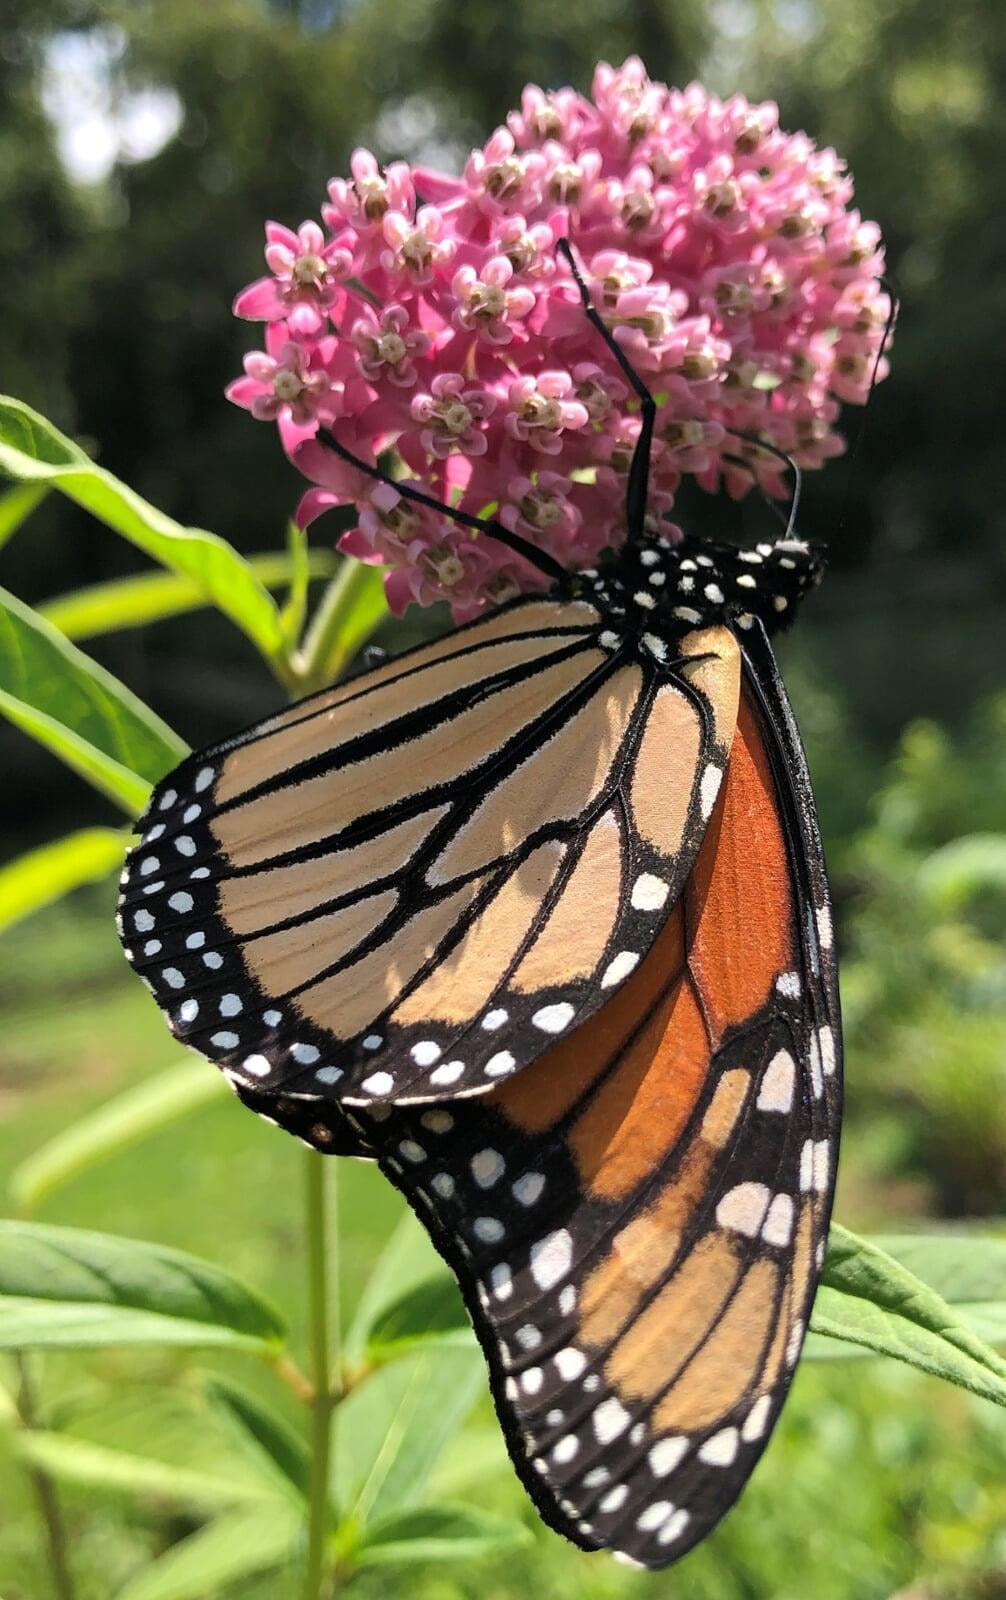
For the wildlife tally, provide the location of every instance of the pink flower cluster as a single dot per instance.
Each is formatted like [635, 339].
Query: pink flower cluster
[435, 319]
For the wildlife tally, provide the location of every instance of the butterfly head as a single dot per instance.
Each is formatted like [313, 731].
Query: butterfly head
[697, 583]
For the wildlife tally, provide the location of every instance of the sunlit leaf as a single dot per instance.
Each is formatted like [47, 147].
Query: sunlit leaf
[391, 1429]
[237, 1545]
[17, 505]
[438, 1533]
[173, 1426]
[33, 451]
[962, 1268]
[873, 1302]
[106, 774]
[78, 710]
[47, 873]
[432, 1309]
[476, 1453]
[64, 1288]
[266, 1436]
[299, 561]
[94, 1466]
[408, 1258]
[345, 619]
[133, 602]
[115, 1126]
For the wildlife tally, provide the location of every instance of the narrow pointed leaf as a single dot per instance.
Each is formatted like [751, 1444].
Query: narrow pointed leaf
[65, 1288]
[107, 775]
[172, 1426]
[295, 606]
[961, 1267]
[392, 1428]
[238, 1545]
[266, 1436]
[969, 1271]
[70, 703]
[433, 1309]
[438, 1533]
[478, 1452]
[115, 1126]
[95, 1466]
[345, 619]
[33, 451]
[47, 873]
[17, 505]
[873, 1302]
[153, 596]
[407, 1260]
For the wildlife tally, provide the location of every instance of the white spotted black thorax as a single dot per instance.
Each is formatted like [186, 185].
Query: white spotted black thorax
[652, 589]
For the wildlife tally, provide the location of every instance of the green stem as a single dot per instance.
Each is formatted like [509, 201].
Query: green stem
[323, 1313]
[45, 1492]
[330, 642]
[335, 634]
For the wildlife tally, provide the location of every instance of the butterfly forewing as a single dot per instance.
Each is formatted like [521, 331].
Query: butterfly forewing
[638, 1220]
[407, 888]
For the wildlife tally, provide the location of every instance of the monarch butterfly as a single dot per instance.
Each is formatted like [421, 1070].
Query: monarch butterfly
[536, 917]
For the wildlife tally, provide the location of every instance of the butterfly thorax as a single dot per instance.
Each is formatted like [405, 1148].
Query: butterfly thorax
[654, 586]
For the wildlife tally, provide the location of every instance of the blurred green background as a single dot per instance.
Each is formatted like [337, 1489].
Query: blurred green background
[141, 147]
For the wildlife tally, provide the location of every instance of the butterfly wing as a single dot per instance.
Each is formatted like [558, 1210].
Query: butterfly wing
[638, 1221]
[362, 897]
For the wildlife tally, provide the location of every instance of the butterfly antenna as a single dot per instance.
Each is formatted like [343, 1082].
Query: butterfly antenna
[787, 461]
[487, 525]
[639, 470]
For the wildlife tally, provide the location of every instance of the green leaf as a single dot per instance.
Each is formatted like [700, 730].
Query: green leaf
[115, 1126]
[17, 505]
[870, 1300]
[237, 1545]
[64, 1288]
[95, 1466]
[107, 775]
[472, 1455]
[476, 1453]
[407, 1260]
[432, 1310]
[391, 1429]
[969, 1271]
[350, 610]
[33, 451]
[266, 1436]
[438, 1533]
[172, 1426]
[40, 876]
[52, 690]
[962, 1267]
[295, 609]
[134, 602]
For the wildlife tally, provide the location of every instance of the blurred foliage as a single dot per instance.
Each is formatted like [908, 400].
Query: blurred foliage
[924, 978]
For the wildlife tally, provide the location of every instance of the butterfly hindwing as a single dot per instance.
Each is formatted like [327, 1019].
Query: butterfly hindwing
[406, 888]
[638, 1220]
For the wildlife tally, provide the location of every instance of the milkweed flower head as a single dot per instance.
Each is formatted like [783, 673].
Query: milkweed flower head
[435, 319]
